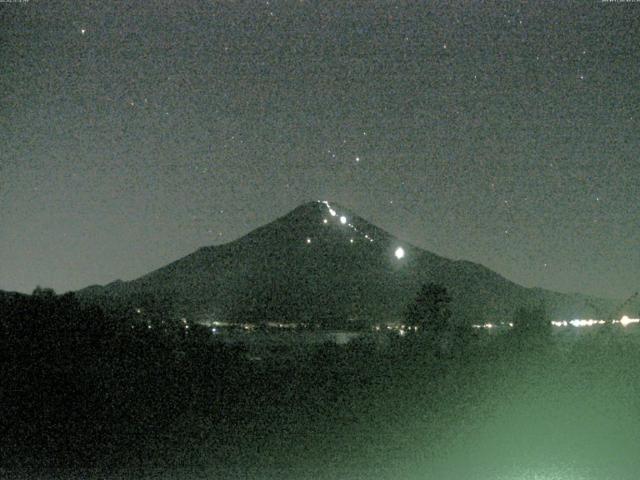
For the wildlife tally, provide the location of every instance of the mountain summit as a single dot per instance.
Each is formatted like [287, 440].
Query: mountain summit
[321, 263]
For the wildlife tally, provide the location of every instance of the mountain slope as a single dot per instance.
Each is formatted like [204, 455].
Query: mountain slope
[320, 263]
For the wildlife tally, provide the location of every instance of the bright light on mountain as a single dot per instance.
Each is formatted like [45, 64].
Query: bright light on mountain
[399, 253]
[343, 220]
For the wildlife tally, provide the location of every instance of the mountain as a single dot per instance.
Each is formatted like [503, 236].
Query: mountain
[321, 263]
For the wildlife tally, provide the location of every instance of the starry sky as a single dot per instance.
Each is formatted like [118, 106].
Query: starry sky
[133, 133]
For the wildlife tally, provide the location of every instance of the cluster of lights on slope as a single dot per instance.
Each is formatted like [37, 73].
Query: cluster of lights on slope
[399, 253]
[343, 221]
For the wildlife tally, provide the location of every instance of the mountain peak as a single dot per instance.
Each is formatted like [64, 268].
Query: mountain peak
[321, 214]
[322, 263]
[314, 206]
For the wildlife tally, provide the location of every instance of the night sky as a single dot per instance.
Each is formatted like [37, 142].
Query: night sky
[133, 133]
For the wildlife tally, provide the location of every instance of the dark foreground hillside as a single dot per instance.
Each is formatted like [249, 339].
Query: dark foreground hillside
[118, 403]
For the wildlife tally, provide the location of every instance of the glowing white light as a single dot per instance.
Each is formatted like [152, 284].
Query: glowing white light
[82, 31]
[351, 240]
[399, 253]
[627, 321]
[308, 240]
[332, 212]
[343, 220]
[582, 323]
[325, 221]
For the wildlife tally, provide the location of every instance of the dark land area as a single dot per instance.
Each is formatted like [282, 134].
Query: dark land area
[85, 395]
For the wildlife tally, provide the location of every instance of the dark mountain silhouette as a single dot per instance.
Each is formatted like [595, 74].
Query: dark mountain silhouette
[322, 264]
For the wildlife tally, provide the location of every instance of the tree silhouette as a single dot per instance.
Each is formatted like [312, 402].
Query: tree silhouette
[430, 310]
[44, 293]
